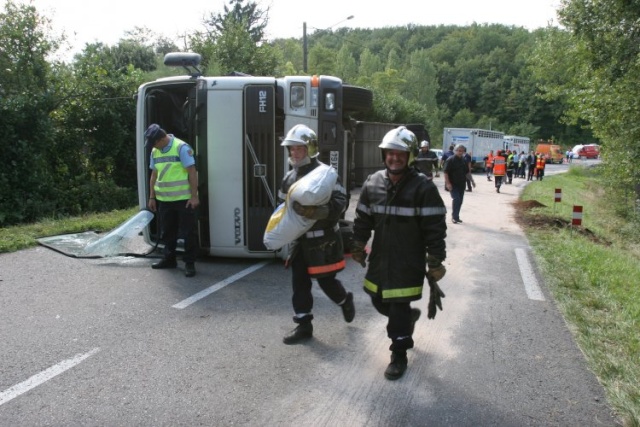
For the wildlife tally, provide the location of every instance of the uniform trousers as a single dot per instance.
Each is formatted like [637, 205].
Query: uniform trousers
[400, 323]
[301, 283]
[178, 222]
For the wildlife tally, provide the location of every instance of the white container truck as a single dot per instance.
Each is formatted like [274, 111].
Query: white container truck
[477, 141]
[517, 143]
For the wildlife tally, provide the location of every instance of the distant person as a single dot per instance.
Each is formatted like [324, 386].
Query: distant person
[489, 164]
[319, 253]
[173, 193]
[510, 167]
[540, 166]
[455, 180]
[522, 161]
[499, 169]
[426, 160]
[404, 212]
[470, 182]
[531, 166]
[446, 155]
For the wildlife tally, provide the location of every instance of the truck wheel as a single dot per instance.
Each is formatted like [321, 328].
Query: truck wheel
[356, 99]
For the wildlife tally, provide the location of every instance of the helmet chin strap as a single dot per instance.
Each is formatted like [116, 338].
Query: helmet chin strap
[397, 172]
[305, 161]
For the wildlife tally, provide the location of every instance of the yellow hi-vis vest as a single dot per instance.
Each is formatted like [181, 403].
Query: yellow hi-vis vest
[172, 180]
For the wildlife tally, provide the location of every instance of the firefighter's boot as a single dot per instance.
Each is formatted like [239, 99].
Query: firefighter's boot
[302, 332]
[397, 366]
[348, 309]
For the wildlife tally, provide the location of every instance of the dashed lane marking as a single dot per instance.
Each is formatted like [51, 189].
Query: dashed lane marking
[206, 292]
[44, 376]
[528, 276]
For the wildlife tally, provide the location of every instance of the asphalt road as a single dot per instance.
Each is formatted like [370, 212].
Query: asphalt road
[111, 342]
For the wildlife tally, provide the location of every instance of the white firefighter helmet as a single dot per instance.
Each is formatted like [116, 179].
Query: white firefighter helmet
[424, 144]
[400, 139]
[302, 135]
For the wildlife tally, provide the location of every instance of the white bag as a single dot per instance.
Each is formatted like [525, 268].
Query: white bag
[313, 189]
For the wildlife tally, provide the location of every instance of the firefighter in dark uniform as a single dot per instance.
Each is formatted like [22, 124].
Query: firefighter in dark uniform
[426, 160]
[319, 253]
[407, 216]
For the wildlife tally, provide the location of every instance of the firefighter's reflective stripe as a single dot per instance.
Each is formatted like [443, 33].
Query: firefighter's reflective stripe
[319, 233]
[411, 291]
[402, 211]
[328, 268]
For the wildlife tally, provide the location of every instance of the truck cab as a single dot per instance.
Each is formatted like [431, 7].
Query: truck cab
[235, 125]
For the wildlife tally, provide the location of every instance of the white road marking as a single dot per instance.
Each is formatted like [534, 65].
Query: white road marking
[528, 277]
[43, 376]
[206, 292]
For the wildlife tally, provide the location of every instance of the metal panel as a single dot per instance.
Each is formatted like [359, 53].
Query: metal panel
[259, 162]
[367, 154]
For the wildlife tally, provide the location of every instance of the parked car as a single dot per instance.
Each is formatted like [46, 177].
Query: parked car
[438, 153]
[588, 151]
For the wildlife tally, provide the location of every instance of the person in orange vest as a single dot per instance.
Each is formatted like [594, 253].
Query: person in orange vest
[489, 164]
[499, 169]
[540, 165]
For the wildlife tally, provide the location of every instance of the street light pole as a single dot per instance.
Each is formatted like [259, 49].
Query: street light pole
[305, 49]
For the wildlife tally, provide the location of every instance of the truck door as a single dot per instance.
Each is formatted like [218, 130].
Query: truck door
[261, 149]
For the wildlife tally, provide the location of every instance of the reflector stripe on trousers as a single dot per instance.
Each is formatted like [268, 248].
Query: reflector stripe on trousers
[320, 269]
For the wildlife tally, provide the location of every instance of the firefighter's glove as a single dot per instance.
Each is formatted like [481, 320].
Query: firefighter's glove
[311, 212]
[293, 249]
[358, 253]
[435, 269]
[435, 299]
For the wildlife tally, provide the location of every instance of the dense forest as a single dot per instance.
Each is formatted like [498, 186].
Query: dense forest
[69, 126]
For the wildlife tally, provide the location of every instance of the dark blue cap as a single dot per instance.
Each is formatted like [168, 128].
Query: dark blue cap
[153, 133]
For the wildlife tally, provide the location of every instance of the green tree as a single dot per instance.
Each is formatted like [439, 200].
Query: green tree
[592, 68]
[322, 60]
[253, 20]
[346, 67]
[234, 41]
[27, 97]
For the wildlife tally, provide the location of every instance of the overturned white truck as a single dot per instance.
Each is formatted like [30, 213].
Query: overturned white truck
[235, 124]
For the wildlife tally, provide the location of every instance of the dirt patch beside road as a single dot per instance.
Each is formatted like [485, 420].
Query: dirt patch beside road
[527, 219]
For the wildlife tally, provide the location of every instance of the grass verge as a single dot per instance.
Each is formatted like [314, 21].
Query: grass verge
[593, 272]
[24, 236]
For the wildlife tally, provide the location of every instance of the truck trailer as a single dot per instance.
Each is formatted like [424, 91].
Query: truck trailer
[235, 125]
[516, 143]
[477, 141]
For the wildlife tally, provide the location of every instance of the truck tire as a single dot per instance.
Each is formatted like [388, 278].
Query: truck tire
[356, 99]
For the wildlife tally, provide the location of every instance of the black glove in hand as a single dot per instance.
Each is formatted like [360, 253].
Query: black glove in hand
[436, 272]
[435, 299]
[311, 212]
[358, 253]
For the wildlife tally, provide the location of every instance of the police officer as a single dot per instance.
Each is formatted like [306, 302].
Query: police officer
[406, 215]
[173, 192]
[319, 253]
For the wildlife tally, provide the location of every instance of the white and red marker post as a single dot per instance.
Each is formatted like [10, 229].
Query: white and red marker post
[576, 219]
[557, 198]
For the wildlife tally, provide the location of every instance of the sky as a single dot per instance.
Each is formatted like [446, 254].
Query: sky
[85, 21]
